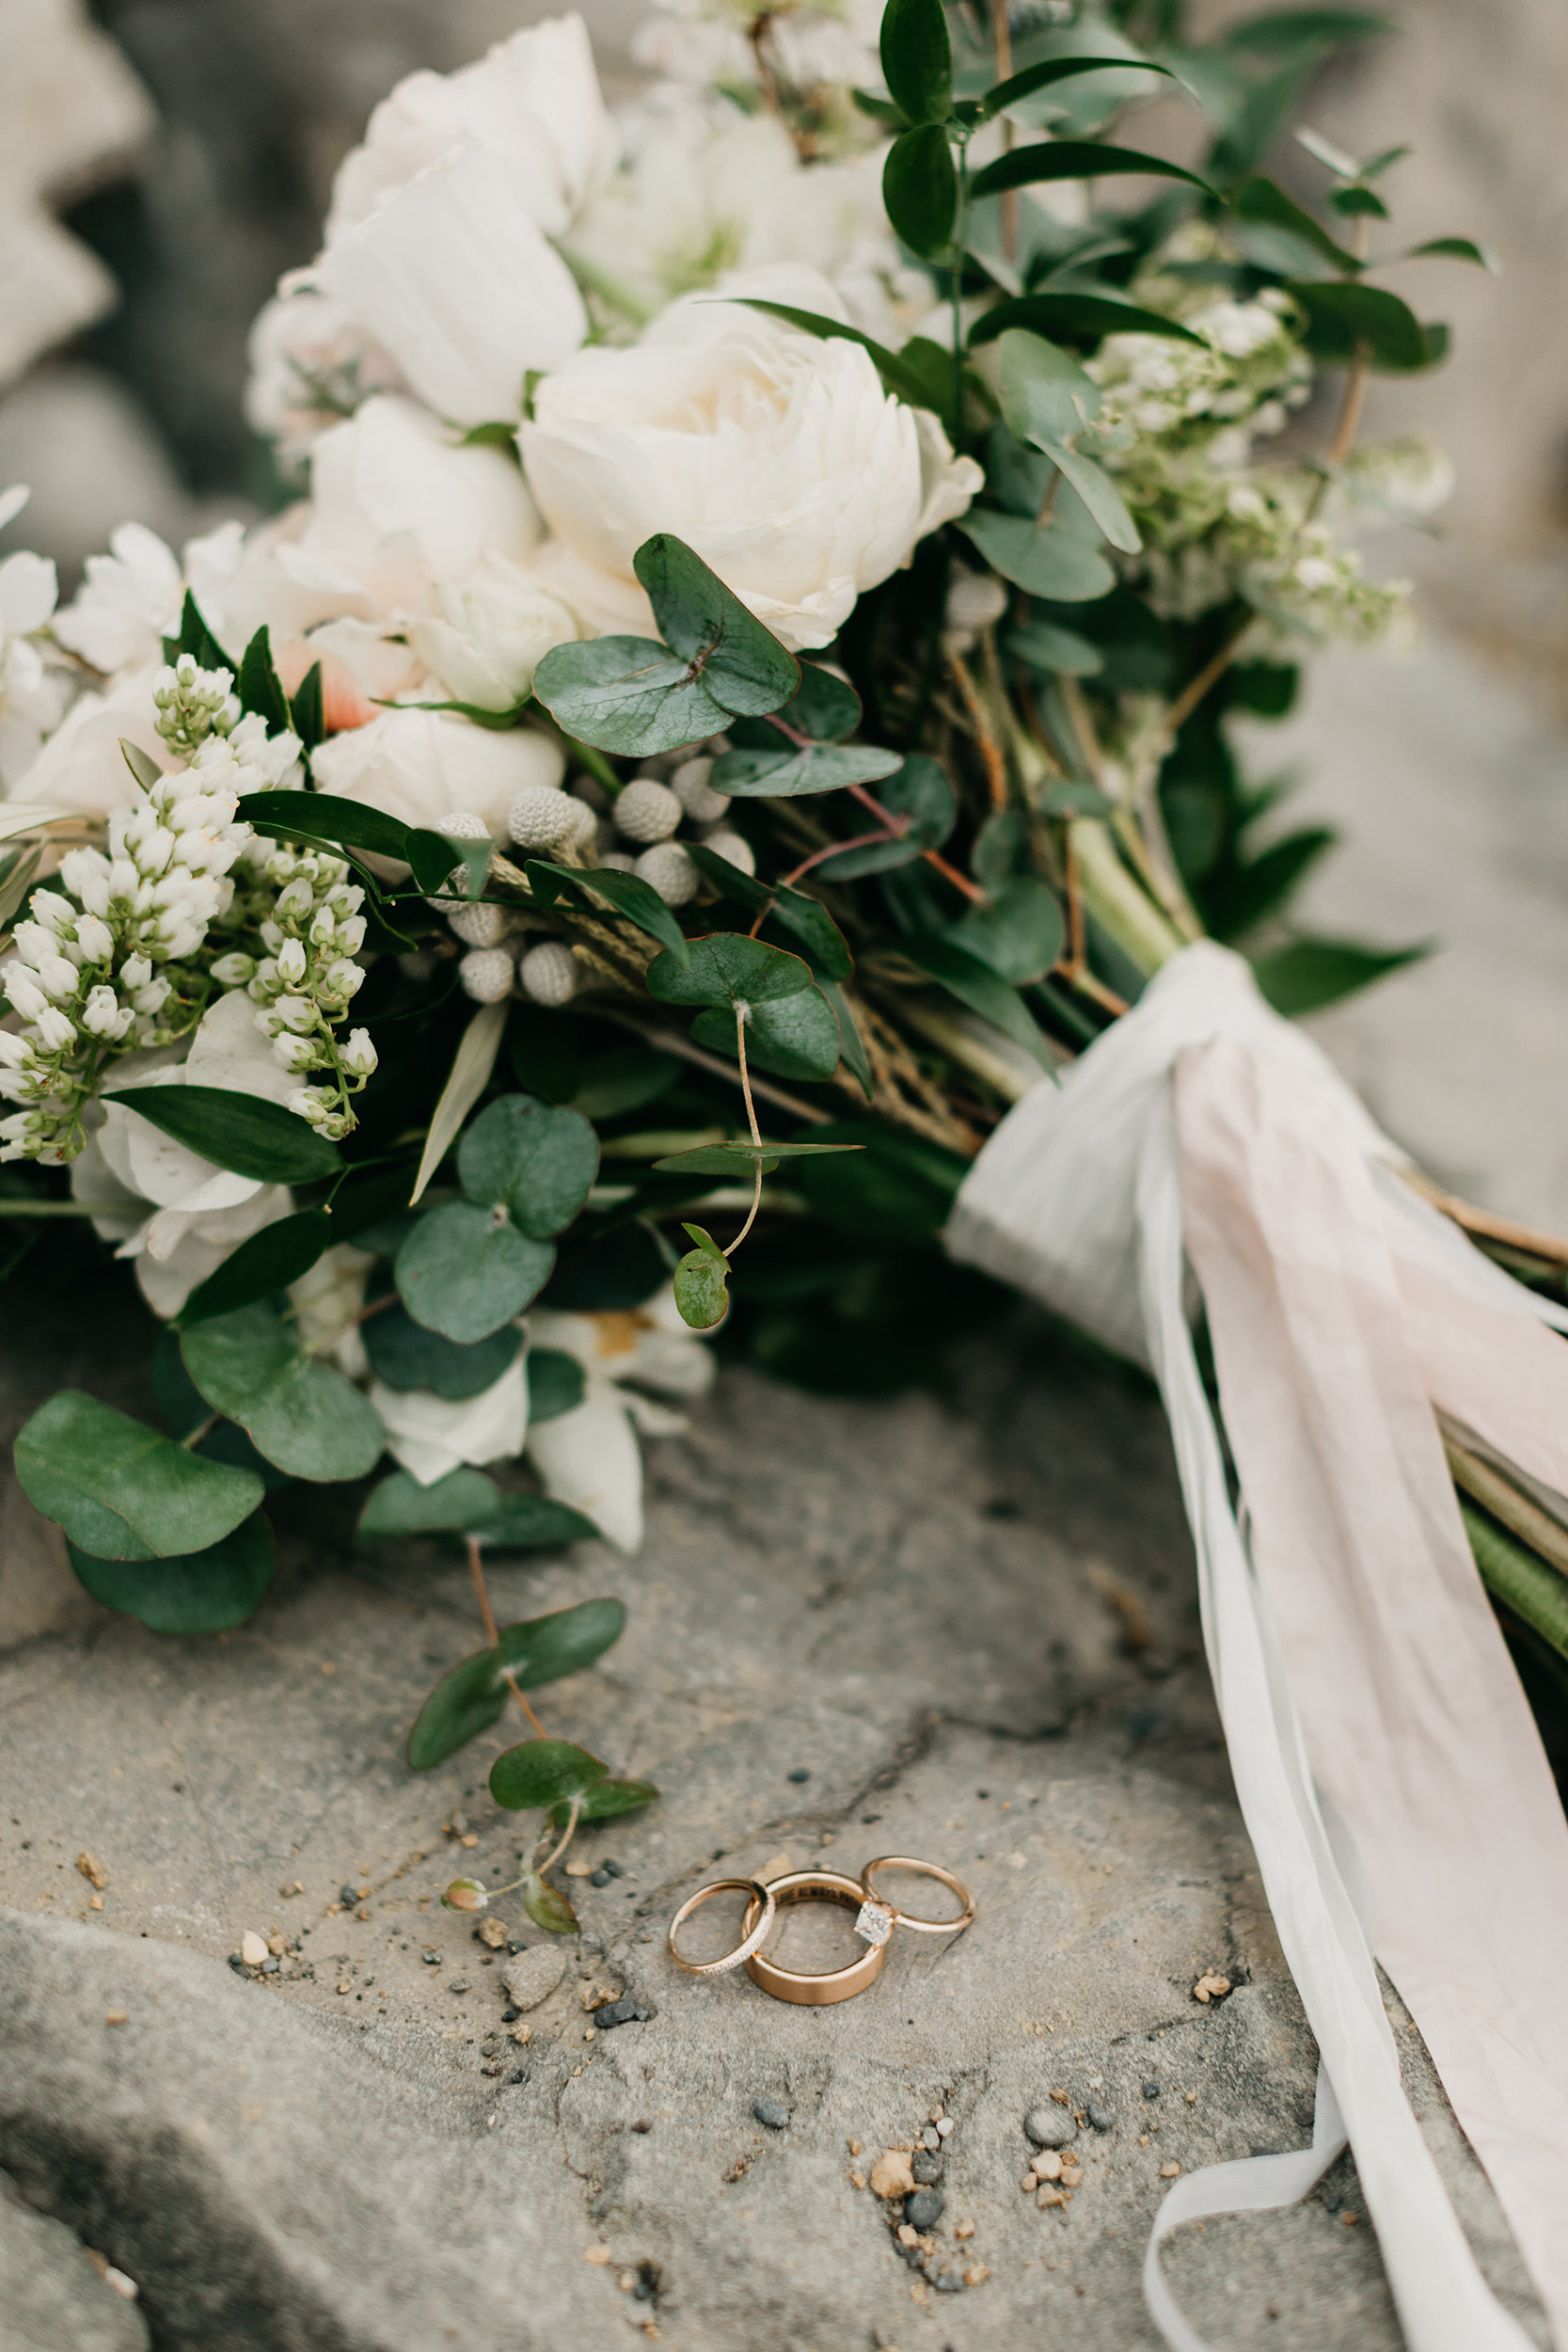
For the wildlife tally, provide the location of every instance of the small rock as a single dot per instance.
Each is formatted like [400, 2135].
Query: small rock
[579, 1869]
[510, 2016]
[432, 1960]
[1211, 1986]
[1102, 2118]
[1151, 2089]
[613, 1868]
[348, 1896]
[930, 2136]
[1048, 2165]
[599, 1877]
[597, 2254]
[908, 2234]
[253, 1948]
[236, 1963]
[623, 2012]
[977, 2275]
[461, 1985]
[924, 2207]
[534, 1974]
[772, 2113]
[1169, 2172]
[949, 2283]
[492, 1933]
[1051, 2197]
[1050, 2127]
[891, 2175]
[1072, 2177]
[114, 2017]
[926, 2168]
[945, 2125]
[964, 2229]
[800, 1773]
[93, 1871]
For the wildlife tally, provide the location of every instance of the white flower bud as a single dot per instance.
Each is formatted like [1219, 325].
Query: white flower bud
[93, 937]
[344, 978]
[298, 1054]
[350, 934]
[667, 868]
[296, 1012]
[486, 975]
[155, 997]
[323, 928]
[646, 811]
[291, 962]
[136, 972]
[58, 977]
[481, 926]
[548, 973]
[102, 1014]
[359, 1055]
[234, 970]
[311, 1103]
[542, 817]
[295, 900]
[85, 875]
[23, 992]
[15, 1052]
[689, 783]
[733, 846]
[56, 1033]
[54, 913]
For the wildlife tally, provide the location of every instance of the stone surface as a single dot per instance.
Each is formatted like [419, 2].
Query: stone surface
[534, 1974]
[923, 1603]
[53, 2296]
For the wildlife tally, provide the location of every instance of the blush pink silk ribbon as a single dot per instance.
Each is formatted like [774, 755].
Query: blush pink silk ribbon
[1376, 1729]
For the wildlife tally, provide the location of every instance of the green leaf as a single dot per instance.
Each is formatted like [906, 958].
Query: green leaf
[1072, 798]
[629, 695]
[1055, 652]
[725, 968]
[535, 1159]
[920, 190]
[897, 377]
[1458, 249]
[465, 1081]
[143, 767]
[1311, 973]
[543, 1772]
[541, 1649]
[706, 1245]
[740, 1159]
[464, 1499]
[976, 985]
[793, 1036]
[265, 1263]
[1099, 493]
[441, 865]
[405, 1356]
[306, 1417]
[1342, 319]
[1045, 395]
[242, 1132]
[196, 1592]
[741, 665]
[196, 639]
[306, 713]
[827, 707]
[1351, 203]
[1019, 935]
[625, 1079]
[327, 817]
[808, 918]
[119, 1489]
[1256, 198]
[899, 1188]
[1289, 29]
[1045, 559]
[535, 1523]
[702, 1289]
[464, 1271]
[258, 688]
[1082, 317]
[627, 894]
[790, 770]
[919, 791]
[485, 715]
[851, 1046]
[917, 59]
[1036, 77]
[607, 1799]
[1075, 159]
[556, 1383]
[546, 1907]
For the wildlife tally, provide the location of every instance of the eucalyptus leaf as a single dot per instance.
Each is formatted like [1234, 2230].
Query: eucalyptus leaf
[851, 1045]
[464, 1271]
[788, 771]
[628, 895]
[741, 665]
[543, 1772]
[920, 190]
[540, 1650]
[535, 1159]
[242, 1132]
[917, 59]
[1043, 559]
[919, 791]
[740, 1159]
[306, 1417]
[546, 1907]
[1018, 935]
[1075, 159]
[122, 1491]
[792, 1037]
[705, 1243]
[1055, 652]
[535, 1523]
[1045, 395]
[265, 1263]
[726, 968]
[1099, 493]
[199, 1591]
[808, 918]
[629, 695]
[628, 1077]
[556, 1384]
[826, 707]
[974, 984]
[405, 1356]
[461, 1501]
[607, 1799]
[701, 1290]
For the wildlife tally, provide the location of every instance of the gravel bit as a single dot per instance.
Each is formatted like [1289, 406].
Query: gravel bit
[925, 2208]
[348, 1896]
[432, 1960]
[891, 2175]
[801, 1772]
[599, 1877]
[1151, 2089]
[949, 2283]
[944, 2126]
[611, 1869]
[930, 2136]
[1103, 2119]
[772, 2113]
[625, 2012]
[1050, 2127]
[926, 2169]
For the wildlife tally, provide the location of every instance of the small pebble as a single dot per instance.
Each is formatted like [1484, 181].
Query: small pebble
[611, 1869]
[772, 2113]
[800, 1773]
[1048, 2164]
[930, 2136]
[945, 2125]
[579, 1869]
[1191, 2097]
[1169, 2172]
[1051, 2197]
[924, 2207]
[348, 1896]
[977, 2275]
[908, 2234]
[600, 1877]
[510, 2016]
[964, 2229]
[1102, 2118]
[1072, 2177]
[114, 2016]
[949, 2283]
[597, 2254]
[1050, 2127]
[253, 1949]
[926, 2169]
[621, 2012]
[432, 1960]
[1151, 2089]
[891, 2175]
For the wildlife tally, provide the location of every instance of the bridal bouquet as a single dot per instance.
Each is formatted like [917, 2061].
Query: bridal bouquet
[735, 696]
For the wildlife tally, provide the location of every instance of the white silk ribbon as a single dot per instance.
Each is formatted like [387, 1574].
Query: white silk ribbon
[1357, 1666]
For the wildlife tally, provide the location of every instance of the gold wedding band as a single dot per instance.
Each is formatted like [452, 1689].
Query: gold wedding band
[922, 1869]
[762, 1898]
[795, 1985]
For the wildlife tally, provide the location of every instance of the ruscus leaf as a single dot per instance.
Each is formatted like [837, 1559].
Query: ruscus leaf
[543, 1772]
[920, 190]
[242, 1132]
[1075, 159]
[917, 59]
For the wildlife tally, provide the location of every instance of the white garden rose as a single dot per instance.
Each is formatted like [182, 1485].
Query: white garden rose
[486, 635]
[423, 764]
[310, 364]
[776, 456]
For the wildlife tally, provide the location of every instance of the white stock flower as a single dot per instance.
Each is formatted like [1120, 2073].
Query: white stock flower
[129, 600]
[487, 634]
[722, 412]
[423, 764]
[590, 1456]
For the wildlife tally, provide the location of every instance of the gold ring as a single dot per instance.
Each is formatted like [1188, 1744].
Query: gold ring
[795, 1985]
[751, 1937]
[923, 1869]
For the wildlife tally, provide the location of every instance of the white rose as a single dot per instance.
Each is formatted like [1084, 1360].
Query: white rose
[430, 1436]
[310, 364]
[423, 764]
[775, 454]
[453, 278]
[397, 505]
[535, 96]
[487, 635]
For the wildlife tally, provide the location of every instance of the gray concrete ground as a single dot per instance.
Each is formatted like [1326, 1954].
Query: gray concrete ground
[971, 1621]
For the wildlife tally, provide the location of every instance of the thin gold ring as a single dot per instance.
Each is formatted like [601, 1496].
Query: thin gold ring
[751, 1937]
[922, 1869]
[832, 1984]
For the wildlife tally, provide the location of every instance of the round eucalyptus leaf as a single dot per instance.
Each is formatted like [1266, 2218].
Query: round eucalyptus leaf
[535, 1523]
[122, 1491]
[794, 1037]
[463, 1502]
[543, 1772]
[464, 1271]
[1020, 934]
[536, 1159]
[197, 1592]
[306, 1417]
[556, 1382]
[405, 1356]
[606, 1798]
[727, 968]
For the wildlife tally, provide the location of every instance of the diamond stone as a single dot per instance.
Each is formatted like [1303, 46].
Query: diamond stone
[874, 1923]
